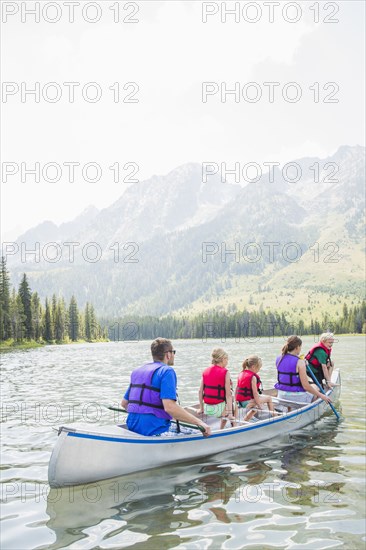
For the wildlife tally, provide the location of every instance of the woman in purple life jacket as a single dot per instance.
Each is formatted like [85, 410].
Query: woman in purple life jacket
[293, 383]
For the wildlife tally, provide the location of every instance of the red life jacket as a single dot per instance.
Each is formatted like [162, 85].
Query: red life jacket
[214, 385]
[313, 360]
[244, 386]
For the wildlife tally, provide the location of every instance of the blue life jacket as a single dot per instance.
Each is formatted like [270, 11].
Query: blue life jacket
[288, 378]
[143, 397]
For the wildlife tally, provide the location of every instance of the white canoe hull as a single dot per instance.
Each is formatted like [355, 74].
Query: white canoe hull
[82, 455]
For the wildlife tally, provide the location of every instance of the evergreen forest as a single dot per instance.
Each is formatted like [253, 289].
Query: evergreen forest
[24, 318]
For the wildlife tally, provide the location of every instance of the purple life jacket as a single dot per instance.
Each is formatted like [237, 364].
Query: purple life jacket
[288, 378]
[143, 397]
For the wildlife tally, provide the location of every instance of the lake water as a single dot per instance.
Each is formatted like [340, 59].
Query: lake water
[303, 491]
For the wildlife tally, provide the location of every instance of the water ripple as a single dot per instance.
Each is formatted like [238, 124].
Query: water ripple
[303, 491]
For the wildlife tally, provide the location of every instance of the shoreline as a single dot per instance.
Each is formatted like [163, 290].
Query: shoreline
[10, 345]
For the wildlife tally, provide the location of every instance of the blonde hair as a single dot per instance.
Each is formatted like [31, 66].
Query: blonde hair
[292, 343]
[326, 336]
[251, 361]
[218, 355]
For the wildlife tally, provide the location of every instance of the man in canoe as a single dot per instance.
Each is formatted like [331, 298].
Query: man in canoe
[151, 398]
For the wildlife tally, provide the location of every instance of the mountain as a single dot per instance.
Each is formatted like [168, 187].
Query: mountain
[185, 246]
[42, 233]
[79, 223]
[148, 209]
[160, 205]
[48, 231]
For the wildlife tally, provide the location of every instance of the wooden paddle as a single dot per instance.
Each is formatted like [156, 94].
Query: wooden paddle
[194, 426]
[312, 375]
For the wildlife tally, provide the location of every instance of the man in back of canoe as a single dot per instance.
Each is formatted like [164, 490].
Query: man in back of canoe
[319, 359]
[151, 398]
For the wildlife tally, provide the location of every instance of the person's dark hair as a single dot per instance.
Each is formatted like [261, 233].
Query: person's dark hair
[159, 347]
[291, 344]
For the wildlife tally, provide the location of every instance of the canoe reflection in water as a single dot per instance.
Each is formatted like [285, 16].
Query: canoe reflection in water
[167, 500]
[139, 499]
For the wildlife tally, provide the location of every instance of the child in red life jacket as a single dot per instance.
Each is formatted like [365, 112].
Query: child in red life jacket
[215, 390]
[248, 389]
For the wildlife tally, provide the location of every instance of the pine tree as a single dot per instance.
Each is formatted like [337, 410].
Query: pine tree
[363, 310]
[65, 317]
[26, 298]
[88, 332]
[54, 309]
[91, 325]
[17, 317]
[358, 322]
[81, 326]
[345, 311]
[37, 315]
[60, 322]
[48, 325]
[73, 320]
[2, 322]
[5, 325]
[59, 325]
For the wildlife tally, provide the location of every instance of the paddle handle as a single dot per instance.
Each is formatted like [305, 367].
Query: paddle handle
[312, 375]
[194, 426]
[118, 409]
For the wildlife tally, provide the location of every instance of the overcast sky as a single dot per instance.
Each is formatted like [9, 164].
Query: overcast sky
[166, 56]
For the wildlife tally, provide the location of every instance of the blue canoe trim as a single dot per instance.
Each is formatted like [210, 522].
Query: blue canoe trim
[164, 440]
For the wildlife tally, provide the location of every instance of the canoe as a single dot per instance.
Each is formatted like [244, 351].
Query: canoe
[84, 455]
